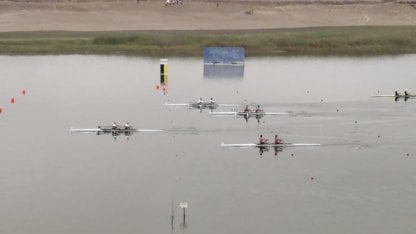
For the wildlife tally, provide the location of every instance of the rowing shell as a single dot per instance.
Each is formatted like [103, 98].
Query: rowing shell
[267, 145]
[102, 130]
[200, 105]
[395, 96]
[242, 113]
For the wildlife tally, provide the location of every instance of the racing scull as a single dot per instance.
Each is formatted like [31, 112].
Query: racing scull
[249, 145]
[105, 129]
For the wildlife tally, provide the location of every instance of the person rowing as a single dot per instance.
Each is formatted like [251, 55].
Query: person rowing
[396, 93]
[262, 140]
[114, 126]
[406, 93]
[277, 140]
[200, 101]
[246, 110]
[258, 109]
[127, 125]
[211, 101]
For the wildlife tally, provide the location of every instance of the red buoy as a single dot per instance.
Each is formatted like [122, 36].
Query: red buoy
[12, 100]
[1, 110]
[24, 91]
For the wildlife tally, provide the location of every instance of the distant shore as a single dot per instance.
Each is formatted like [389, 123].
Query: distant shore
[262, 27]
[124, 15]
[319, 41]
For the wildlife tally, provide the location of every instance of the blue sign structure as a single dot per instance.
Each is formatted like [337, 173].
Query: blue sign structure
[224, 55]
[224, 62]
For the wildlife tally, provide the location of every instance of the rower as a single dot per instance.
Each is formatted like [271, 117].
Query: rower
[211, 101]
[114, 126]
[258, 109]
[406, 93]
[262, 140]
[396, 93]
[200, 101]
[127, 125]
[277, 140]
[246, 110]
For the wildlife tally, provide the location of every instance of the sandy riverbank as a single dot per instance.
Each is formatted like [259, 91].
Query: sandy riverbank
[195, 15]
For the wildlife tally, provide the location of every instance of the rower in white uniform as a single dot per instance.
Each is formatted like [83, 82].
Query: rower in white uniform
[127, 125]
[115, 125]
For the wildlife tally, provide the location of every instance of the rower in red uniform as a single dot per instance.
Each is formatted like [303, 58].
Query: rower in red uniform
[246, 110]
[258, 109]
[277, 140]
[262, 140]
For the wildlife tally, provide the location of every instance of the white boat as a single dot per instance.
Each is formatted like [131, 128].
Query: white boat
[395, 96]
[245, 114]
[110, 129]
[250, 145]
[203, 105]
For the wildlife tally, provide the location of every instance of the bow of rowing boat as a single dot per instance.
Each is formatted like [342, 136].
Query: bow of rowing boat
[86, 130]
[246, 145]
[394, 96]
[241, 113]
[176, 104]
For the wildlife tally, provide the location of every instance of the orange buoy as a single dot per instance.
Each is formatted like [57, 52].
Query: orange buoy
[12, 100]
[24, 91]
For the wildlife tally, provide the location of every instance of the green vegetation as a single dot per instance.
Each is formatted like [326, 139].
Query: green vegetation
[363, 40]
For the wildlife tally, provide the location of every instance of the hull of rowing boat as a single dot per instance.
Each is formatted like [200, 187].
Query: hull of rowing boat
[240, 113]
[100, 130]
[268, 145]
[395, 96]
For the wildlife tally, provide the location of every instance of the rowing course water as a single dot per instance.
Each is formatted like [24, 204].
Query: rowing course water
[360, 181]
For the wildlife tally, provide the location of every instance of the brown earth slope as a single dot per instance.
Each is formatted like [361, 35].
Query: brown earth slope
[198, 15]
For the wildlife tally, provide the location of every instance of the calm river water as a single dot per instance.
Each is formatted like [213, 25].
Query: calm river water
[361, 180]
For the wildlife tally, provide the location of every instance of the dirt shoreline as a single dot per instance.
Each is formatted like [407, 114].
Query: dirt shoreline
[198, 15]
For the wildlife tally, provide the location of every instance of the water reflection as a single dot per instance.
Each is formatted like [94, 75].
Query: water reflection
[223, 71]
[405, 98]
[276, 149]
[163, 87]
[186, 160]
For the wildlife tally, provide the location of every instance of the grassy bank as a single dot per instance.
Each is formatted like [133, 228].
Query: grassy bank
[305, 41]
